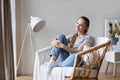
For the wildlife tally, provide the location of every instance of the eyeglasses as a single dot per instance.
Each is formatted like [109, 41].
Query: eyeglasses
[77, 25]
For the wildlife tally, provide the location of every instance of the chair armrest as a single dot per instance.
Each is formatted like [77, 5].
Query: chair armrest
[43, 50]
[43, 54]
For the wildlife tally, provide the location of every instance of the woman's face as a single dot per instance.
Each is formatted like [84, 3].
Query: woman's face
[81, 26]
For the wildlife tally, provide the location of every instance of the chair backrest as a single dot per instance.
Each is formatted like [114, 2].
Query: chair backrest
[93, 56]
[99, 40]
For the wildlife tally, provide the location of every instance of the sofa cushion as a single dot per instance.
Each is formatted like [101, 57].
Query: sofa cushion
[67, 71]
[90, 58]
[80, 72]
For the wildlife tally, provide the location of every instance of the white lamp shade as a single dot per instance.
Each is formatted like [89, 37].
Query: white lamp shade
[36, 23]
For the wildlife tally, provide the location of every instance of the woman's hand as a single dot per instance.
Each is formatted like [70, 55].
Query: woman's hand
[57, 43]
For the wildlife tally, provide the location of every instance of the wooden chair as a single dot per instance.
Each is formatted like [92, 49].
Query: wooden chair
[90, 61]
[86, 66]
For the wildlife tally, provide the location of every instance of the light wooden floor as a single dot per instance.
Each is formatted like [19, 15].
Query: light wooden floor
[24, 78]
[101, 77]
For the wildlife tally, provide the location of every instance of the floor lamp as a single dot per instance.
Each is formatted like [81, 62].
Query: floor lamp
[35, 24]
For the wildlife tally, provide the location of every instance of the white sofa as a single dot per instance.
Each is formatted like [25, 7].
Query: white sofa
[58, 73]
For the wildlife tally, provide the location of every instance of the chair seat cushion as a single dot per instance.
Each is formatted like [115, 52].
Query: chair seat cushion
[80, 72]
[67, 71]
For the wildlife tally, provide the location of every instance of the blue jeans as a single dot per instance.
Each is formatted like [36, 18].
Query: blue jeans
[66, 59]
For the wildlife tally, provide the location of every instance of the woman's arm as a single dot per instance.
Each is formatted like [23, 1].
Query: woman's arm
[73, 50]
[59, 44]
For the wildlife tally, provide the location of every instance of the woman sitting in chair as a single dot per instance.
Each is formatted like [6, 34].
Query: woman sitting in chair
[67, 48]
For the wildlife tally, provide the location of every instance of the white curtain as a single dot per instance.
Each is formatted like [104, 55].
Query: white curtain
[6, 41]
[13, 17]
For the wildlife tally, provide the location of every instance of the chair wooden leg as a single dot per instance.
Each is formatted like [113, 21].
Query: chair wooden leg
[107, 67]
[67, 78]
[114, 70]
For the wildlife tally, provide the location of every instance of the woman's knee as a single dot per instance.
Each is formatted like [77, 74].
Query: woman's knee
[61, 37]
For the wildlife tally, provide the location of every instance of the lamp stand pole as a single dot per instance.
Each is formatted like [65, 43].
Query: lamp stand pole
[23, 43]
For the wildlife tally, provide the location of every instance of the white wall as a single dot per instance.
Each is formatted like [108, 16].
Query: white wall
[60, 16]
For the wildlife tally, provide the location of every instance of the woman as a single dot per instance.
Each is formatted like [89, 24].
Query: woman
[62, 47]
